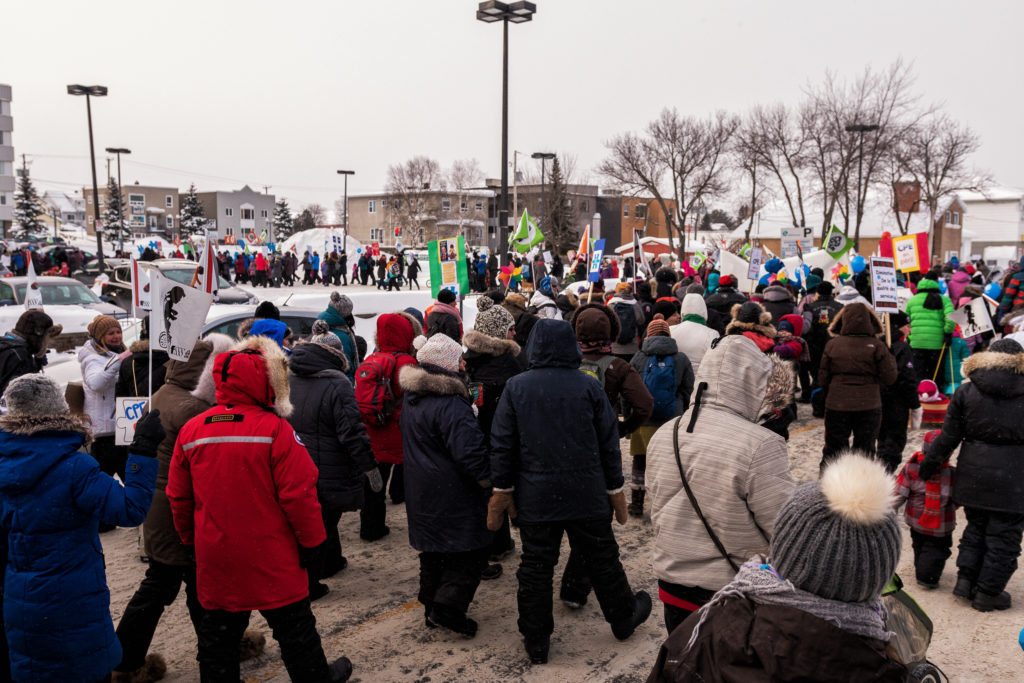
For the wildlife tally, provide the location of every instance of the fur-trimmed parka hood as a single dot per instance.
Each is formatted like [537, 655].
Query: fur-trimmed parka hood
[415, 379]
[254, 372]
[481, 343]
[32, 445]
[204, 389]
[778, 392]
[762, 324]
[855, 319]
[27, 425]
[997, 374]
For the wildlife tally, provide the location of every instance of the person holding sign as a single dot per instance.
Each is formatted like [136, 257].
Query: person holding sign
[931, 327]
[101, 359]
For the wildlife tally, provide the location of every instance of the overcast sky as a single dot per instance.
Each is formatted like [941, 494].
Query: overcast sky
[226, 92]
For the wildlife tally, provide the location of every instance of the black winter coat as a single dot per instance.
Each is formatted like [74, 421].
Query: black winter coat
[723, 300]
[555, 437]
[326, 418]
[447, 473]
[16, 360]
[133, 376]
[985, 416]
[902, 394]
[490, 363]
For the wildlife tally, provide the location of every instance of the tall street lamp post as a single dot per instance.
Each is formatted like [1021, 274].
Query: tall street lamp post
[344, 223]
[860, 129]
[543, 156]
[91, 91]
[492, 11]
[120, 188]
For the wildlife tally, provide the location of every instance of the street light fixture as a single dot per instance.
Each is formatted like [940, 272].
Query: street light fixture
[860, 129]
[344, 229]
[120, 188]
[91, 91]
[544, 157]
[492, 11]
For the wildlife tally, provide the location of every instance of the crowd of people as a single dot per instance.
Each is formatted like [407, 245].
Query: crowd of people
[507, 435]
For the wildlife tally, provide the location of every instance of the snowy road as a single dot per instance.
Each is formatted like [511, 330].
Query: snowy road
[371, 614]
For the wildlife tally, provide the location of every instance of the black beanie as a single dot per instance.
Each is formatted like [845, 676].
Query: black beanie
[446, 296]
[267, 311]
[1009, 346]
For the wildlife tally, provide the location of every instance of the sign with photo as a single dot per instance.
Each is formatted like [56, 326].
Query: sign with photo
[973, 318]
[448, 266]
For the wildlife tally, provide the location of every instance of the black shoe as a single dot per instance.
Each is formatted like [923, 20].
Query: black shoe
[374, 536]
[636, 505]
[491, 572]
[537, 649]
[927, 585]
[334, 567]
[340, 670]
[318, 590]
[641, 610]
[983, 602]
[453, 621]
[964, 588]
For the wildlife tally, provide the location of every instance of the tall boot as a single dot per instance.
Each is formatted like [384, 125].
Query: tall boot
[636, 505]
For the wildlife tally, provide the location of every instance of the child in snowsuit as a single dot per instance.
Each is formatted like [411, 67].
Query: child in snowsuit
[930, 514]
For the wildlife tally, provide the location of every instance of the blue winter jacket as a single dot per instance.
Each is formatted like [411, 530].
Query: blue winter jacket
[555, 437]
[339, 326]
[56, 603]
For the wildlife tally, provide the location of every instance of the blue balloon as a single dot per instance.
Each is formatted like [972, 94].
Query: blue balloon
[858, 264]
[774, 265]
[763, 280]
[993, 290]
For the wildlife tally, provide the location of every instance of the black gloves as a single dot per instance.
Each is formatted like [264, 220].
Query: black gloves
[149, 433]
[928, 469]
[309, 558]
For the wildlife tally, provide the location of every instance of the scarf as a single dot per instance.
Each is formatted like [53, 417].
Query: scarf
[603, 347]
[758, 582]
[931, 516]
[694, 318]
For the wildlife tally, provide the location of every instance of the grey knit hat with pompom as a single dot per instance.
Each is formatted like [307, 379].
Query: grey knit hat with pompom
[491, 319]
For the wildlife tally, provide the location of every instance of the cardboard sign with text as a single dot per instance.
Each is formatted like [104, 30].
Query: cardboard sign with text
[127, 411]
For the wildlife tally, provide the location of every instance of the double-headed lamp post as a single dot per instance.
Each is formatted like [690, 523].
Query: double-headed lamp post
[344, 223]
[544, 157]
[120, 188]
[91, 91]
[860, 129]
[492, 11]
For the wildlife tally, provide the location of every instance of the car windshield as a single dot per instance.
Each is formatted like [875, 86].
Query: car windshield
[62, 294]
[184, 276]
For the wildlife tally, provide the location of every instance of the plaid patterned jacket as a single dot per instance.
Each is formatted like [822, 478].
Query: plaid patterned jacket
[912, 491]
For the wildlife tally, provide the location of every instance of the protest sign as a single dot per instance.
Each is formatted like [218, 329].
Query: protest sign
[127, 411]
[756, 261]
[594, 272]
[884, 290]
[447, 259]
[911, 252]
[177, 318]
[973, 318]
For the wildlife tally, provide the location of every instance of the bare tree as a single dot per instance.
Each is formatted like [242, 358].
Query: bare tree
[771, 138]
[634, 168]
[317, 212]
[746, 155]
[410, 201]
[463, 176]
[934, 153]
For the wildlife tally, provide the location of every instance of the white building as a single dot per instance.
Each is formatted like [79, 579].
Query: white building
[7, 183]
[996, 219]
[70, 208]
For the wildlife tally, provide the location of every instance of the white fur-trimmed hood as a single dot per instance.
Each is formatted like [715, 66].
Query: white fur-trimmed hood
[414, 379]
[277, 369]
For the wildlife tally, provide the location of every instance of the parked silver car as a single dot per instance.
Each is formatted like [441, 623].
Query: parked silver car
[181, 271]
[58, 291]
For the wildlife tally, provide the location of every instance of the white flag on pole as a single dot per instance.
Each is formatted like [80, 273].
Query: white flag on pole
[177, 318]
[141, 295]
[33, 295]
[208, 262]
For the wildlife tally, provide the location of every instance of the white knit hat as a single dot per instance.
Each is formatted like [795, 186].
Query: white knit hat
[441, 351]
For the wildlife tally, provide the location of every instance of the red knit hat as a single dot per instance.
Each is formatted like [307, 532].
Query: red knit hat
[727, 281]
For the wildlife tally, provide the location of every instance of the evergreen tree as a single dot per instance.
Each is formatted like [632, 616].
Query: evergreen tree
[283, 224]
[115, 223]
[28, 207]
[193, 218]
[559, 220]
[304, 221]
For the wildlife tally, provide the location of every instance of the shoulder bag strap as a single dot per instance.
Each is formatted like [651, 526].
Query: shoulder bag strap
[693, 499]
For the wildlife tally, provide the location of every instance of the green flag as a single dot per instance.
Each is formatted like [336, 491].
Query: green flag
[836, 243]
[528, 235]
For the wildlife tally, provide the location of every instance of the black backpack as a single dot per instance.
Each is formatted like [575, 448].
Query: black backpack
[628, 329]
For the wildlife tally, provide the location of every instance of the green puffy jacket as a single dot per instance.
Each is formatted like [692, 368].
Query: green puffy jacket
[928, 327]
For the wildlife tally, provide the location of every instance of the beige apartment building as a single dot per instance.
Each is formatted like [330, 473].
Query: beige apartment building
[148, 210]
[415, 217]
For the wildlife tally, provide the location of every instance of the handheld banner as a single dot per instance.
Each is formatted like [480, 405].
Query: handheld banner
[594, 272]
[448, 270]
[177, 318]
[884, 290]
[128, 411]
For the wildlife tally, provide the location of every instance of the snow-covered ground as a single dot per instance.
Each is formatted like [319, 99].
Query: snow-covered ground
[371, 614]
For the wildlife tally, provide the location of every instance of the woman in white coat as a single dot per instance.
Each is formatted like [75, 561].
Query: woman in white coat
[100, 359]
[693, 336]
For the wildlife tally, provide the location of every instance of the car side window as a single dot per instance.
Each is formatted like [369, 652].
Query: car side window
[230, 328]
[300, 326]
[7, 294]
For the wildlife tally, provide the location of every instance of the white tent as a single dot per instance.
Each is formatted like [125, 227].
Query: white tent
[320, 240]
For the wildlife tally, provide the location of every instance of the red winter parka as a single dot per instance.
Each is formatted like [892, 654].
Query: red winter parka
[395, 332]
[242, 487]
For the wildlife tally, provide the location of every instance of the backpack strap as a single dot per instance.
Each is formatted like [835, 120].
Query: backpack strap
[689, 492]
